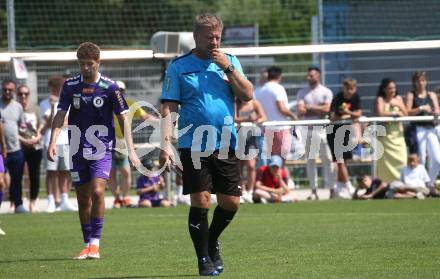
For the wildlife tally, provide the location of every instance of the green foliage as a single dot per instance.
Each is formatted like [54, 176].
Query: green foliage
[53, 24]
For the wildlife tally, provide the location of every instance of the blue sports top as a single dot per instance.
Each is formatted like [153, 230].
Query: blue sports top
[205, 96]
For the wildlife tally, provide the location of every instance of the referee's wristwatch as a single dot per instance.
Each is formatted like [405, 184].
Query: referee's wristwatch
[229, 69]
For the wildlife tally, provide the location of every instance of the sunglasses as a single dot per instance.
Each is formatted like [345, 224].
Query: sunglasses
[23, 94]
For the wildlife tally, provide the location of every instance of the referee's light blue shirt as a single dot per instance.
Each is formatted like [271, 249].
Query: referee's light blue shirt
[205, 97]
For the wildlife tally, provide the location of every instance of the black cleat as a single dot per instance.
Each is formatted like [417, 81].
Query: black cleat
[206, 268]
[214, 254]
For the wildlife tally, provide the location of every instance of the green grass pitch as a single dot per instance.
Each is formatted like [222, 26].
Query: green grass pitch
[329, 239]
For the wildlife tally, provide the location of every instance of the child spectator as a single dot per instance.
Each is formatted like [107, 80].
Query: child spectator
[345, 105]
[413, 181]
[272, 182]
[375, 188]
[148, 189]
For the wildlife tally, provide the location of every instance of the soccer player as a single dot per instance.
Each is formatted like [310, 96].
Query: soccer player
[91, 100]
[205, 82]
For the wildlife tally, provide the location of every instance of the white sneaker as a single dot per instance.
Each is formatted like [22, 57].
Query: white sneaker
[21, 209]
[2, 232]
[247, 197]
[51, 207]
[420, 196]
[67, 206]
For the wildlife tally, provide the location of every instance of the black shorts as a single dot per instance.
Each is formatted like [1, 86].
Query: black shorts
[347, 155]
[214, 175]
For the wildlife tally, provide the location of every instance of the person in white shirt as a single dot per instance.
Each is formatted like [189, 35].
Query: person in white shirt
[273, 99]
[57, 172]
[314, 103]
[413, 181]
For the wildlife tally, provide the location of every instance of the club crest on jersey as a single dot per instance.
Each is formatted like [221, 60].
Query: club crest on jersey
[88, 90]
[77, 101]
[98, 102]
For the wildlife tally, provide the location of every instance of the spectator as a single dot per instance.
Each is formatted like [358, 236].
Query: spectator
[30, 138]
[413, 181]
[374, 188]
[272, 182]
[119, 160]
[260, 139]
[420, 101]
[314, 103]
[12, 114]
[389, 103]
[273, 98]
[260, 84]
[57, 172]
[248, 112]
[345, 105]
[148, 189]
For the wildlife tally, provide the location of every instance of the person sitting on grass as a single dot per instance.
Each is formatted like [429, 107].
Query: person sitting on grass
[148, 189]
[374, 188]
[413, 181]
[272, 182]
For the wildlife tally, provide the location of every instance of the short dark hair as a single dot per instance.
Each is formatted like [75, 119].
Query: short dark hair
[361, 177]
[88, 50]
[314, 68]
[274, 72]
[55, 82]
[9, 80]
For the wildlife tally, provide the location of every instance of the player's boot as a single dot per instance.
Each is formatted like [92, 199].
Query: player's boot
[83, 255]
[214, 254]
[206, 268]
[93, 252]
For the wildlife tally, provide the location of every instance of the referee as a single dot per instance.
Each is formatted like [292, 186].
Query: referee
[205, 83]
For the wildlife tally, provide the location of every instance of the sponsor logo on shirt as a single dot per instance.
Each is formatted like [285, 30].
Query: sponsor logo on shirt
[103, 84]
[88, 90]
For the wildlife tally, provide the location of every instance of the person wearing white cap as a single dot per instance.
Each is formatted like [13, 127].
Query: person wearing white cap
[120, 161]
[272, 183]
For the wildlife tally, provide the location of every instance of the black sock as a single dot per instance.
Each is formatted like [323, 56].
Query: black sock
[220, 221]
[198, 229]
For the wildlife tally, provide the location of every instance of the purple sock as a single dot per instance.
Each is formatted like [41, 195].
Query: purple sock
[1, 197]
[87, 232]
[97, 224]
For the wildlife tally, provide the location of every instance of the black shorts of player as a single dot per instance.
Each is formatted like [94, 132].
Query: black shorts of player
[214, 175]
[347, 155]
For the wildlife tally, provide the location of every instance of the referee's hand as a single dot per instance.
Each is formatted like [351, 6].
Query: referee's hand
[219, 58]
